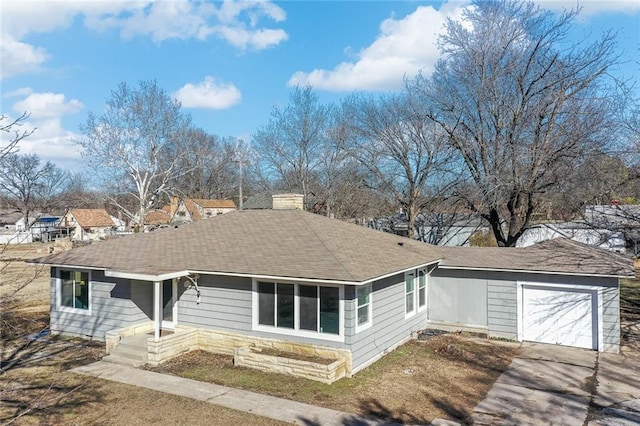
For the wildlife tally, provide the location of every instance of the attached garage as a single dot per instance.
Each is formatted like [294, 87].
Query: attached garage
[558, 292]
[567, 316]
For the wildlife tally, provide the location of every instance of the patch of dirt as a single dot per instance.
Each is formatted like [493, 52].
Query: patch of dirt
[28, 285]
[630, 316]
[445, 376]
[36, 388]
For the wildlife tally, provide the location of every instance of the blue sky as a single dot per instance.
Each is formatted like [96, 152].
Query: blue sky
[229, 62]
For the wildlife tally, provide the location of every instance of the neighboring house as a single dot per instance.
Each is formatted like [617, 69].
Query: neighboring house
[43, 226]
[302, 282]
[157, 218]
[21, 225]
[577, 231]
[194, 209]
[443, 229]
[87, 224]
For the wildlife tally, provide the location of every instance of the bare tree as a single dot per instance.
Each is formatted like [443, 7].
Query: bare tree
[210, 161]
[15, 132]
[519, 104]
[27, 185]
[131, 146]
[292, 143]
[402, 149]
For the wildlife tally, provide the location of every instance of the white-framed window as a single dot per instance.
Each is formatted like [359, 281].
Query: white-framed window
[422, 289]
[410, 293]
[74, 292]
[415, 291]
[363, 304]
[299, 309]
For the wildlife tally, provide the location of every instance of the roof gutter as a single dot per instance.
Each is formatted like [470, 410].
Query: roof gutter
[527, 271]
[145, 277]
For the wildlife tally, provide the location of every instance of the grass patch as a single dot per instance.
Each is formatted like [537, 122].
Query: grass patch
[630, 313]
[39, 389]
[445, 376]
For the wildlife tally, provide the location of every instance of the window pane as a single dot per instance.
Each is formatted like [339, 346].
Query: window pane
[309, 307]
[266, 303]
[285, 305]
[363, 295]
[422, 296]
[66, 289]
[409, 283]
[82, 290]
[409, 298]
[363, 315]
[422, 279]
[329, 310]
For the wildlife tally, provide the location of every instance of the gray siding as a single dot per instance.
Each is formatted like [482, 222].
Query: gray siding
[225, 304]
[389, 326]
[455, 299]
[110, 304]
[501, 299]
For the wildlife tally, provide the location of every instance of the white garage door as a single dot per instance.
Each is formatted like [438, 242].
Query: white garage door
[562, 316]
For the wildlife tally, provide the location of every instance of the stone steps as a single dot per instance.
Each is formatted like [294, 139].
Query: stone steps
[131, 351]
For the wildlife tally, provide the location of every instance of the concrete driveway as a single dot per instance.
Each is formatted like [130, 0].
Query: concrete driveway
[548, 384]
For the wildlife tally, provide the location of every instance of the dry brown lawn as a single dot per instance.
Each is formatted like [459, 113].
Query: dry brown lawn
[30, 283]
[445, 377]
[38, 389]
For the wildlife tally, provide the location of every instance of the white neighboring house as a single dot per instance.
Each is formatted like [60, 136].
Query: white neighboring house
[88, 224]
[607, 239]
[15, 233]
[21, 225]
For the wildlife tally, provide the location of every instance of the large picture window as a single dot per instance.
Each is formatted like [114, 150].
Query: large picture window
[299, 307]
[74, 289]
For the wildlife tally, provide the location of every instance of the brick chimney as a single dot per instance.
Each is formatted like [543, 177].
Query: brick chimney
[288, 201]
[173, 205]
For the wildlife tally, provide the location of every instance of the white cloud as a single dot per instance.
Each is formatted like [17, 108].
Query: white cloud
[236, 22]
[403, 48]
[243, 38]
[19, 58]
[47, 105]
[208, 94]
[50, 140]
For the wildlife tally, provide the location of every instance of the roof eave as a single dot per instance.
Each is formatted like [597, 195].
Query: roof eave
[530, 271]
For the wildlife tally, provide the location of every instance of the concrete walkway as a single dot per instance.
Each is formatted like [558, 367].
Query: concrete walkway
[551, 385]
[262, 405]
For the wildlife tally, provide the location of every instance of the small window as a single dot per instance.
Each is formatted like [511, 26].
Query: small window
[422, 288]
[74, 289]
[364, 305]
[409, 293]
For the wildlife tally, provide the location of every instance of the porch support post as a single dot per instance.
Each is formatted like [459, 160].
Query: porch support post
[156, 310]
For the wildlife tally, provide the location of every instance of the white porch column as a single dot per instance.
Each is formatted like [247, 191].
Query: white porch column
[156, 310]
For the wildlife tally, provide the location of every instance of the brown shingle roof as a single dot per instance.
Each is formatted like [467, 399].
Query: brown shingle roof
[89, 218]
[284, 243]
[559, 255]
[156, 217]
